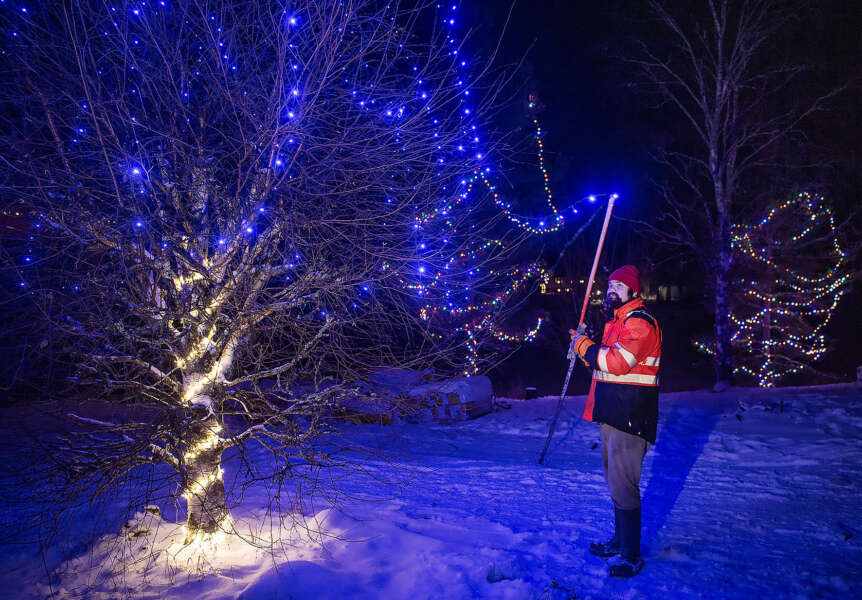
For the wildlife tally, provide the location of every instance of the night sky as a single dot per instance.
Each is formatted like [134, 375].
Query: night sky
[590, 130]
[599, 129]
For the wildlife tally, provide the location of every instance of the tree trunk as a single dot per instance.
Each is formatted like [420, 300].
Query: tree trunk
[204, 487]
[723, 358]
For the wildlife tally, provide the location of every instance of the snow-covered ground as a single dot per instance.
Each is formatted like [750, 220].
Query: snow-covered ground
[740, 501]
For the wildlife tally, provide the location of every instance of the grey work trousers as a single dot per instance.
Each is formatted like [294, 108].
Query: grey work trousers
[622, 459]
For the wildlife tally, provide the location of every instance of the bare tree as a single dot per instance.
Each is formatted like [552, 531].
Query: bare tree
[716, 67]
[238, 210]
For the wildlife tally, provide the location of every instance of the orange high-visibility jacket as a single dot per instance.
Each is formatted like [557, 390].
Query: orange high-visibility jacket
[624, 390]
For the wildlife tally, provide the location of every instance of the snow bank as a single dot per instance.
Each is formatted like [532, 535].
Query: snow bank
[149, 559]
[741, 499]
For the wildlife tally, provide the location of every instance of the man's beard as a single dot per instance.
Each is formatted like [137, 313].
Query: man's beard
[612, 303]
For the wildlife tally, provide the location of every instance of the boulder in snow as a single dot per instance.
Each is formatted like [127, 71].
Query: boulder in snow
[453, 399]
[402, 394]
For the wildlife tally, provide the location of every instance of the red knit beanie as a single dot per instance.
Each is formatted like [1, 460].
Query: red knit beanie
[628, 274]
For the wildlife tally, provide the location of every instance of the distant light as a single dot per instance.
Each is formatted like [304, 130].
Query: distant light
[139, 224]
[221, 242]
[290, 114]
[136, 171]
[421, 269]
[591, 198]
[292, 20]
[278, 162]
[249, 230]
[614, 196]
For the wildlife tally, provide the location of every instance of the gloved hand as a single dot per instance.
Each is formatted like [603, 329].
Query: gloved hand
[580, 342]
[577, 335]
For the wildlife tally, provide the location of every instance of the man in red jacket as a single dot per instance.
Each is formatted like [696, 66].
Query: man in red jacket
[624, 399]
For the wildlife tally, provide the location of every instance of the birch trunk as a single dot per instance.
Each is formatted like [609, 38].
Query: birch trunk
[723, 358]
[204, 488]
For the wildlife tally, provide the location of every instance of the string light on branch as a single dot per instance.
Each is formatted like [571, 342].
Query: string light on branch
[791, 283]
[552, 222]
[474, 315]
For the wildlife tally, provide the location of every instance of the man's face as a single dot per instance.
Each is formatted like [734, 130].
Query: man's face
[622, 292]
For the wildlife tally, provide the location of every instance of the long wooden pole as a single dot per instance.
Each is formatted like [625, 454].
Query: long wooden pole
[580, 322]
[596, 259]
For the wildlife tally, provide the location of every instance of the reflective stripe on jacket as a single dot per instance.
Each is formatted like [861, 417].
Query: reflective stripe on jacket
[624, 389]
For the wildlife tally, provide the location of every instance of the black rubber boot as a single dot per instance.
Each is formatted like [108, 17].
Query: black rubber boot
[613, 546]
[629, 562]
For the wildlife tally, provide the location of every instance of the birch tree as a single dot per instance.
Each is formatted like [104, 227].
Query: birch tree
[236, 210]
[718, 69]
